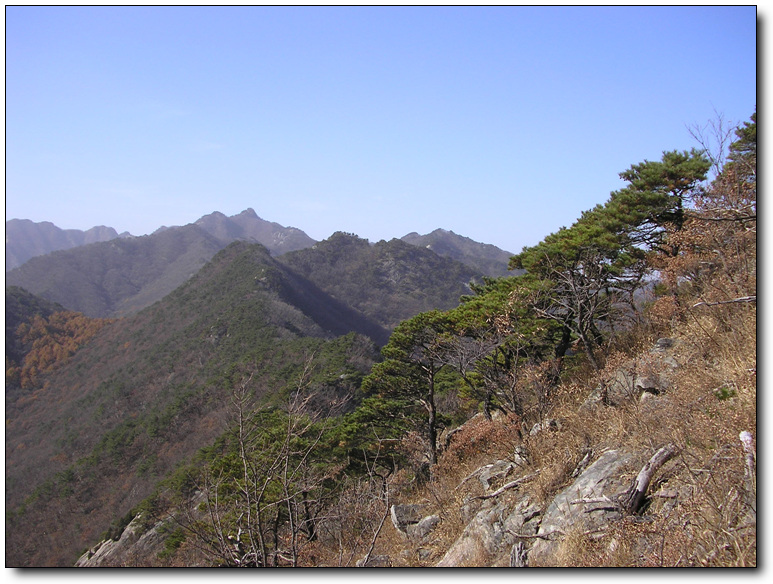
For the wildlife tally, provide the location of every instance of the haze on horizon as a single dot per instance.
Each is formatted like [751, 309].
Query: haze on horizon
[501, 124]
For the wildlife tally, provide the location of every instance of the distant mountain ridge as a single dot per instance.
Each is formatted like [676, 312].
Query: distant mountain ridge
[484, 257]
[247, 226]
[122, 275]
[117, 277]
[25, 239]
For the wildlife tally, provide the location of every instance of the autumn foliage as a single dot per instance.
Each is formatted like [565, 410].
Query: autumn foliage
[49, 342]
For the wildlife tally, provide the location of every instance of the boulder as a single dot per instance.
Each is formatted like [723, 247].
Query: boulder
[408, 519]
[495, 472]
[481, 538]
[423, 527]
[405, 515]
[600, 484]
[131, 543]
[490, 534]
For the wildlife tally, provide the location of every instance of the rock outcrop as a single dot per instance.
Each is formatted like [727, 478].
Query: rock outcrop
[408, 519]
[586, 506]
[134, 542]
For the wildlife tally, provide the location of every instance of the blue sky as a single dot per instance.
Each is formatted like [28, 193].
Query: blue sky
[502, 124]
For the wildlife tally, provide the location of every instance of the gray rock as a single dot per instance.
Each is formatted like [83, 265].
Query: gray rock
[423, 527]
[482, 537]
[115, 553]
[601, 480]
[470, 507]
[490, 534]
[495, 471]
[405, 515]
[550, 424]
[649, 383]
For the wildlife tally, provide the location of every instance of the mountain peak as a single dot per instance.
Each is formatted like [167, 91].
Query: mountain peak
[487, 258]
[248, 213]
[209, 216]
[248, 226]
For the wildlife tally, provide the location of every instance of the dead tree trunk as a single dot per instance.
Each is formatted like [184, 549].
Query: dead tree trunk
[518, 556]
[750, 482]
[633, 498]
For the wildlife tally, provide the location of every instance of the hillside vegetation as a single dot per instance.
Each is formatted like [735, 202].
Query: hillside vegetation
[599, 409]
[389, 281]
[147, 391]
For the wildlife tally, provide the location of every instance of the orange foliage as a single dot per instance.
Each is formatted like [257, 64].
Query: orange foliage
[51, 341]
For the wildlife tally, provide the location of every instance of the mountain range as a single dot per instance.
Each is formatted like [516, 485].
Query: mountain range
[25, 239]
[486, 258]
[124, 274]
[94, 421]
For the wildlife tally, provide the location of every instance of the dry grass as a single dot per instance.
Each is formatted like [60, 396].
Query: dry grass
[702, 505]
[699, 513]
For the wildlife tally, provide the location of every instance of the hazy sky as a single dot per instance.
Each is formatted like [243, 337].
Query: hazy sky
[502, 124]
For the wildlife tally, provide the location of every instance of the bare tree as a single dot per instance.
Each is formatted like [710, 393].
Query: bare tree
[714, 137]
[262, 501]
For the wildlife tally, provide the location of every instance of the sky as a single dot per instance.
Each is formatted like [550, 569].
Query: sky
[501, 124]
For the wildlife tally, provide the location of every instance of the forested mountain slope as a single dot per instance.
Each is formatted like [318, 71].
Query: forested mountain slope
[20, 308]
[149, 390]
[388, 281]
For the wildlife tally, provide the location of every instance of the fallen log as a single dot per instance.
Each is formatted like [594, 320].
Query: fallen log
[632, 499]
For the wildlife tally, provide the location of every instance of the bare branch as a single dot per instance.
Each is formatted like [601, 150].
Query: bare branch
[733, 301]
[509, 485]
